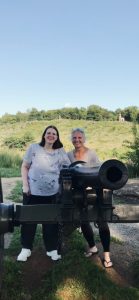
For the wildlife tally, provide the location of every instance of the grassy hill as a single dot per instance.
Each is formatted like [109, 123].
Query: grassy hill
[106, 137]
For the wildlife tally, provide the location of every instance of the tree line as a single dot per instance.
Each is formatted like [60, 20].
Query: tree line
[92, 112]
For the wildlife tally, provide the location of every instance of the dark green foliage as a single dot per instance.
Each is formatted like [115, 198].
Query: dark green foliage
[19, 142]
[132, 155]
[97, 113]
[131, 113]
[12, 280]
[92, 112]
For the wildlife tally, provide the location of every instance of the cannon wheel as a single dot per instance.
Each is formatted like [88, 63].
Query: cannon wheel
[1, 238]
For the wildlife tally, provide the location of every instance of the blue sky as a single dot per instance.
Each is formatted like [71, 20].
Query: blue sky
[61, 53]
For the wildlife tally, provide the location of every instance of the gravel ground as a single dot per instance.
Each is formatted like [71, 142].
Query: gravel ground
[128, 233]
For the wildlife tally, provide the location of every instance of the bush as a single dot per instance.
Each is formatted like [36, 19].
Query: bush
[133, 154]
[19, 142]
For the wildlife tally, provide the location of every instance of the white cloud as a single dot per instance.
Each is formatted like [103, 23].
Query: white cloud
[68, 105]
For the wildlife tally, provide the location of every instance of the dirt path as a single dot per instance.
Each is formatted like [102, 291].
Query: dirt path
[7, 185]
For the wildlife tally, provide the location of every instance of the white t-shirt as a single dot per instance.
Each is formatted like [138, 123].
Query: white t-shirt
[44, 169]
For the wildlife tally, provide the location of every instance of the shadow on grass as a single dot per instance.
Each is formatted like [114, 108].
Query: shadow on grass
[72, 278]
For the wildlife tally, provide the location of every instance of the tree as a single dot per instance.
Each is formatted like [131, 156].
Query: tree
[132, 154]
[8, 118]
[97, 113]
[130, 113]
[82, 113]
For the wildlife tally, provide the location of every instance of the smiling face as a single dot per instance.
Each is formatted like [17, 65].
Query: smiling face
[78, 139]
[50, 136]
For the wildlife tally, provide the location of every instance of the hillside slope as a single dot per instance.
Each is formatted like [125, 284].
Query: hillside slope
[106, 137]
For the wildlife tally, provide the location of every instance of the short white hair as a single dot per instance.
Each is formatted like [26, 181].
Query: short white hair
[78, 129]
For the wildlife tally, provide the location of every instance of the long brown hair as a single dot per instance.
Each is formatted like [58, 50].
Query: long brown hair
[57, 144]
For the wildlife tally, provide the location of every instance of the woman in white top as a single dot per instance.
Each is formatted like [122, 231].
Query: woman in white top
[81, 152]
[40, 174]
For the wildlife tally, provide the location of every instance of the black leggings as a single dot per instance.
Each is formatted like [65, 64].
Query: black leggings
[104, 234]
[50, 232]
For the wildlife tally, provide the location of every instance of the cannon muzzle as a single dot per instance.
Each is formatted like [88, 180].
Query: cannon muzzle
[75, 199]
[112, 174]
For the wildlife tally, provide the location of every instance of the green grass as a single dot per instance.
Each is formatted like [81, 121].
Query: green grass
[72, 278]
[10, 172]
[10, 159]
[12, 280]
[106, 137]
[16, 193]
[10, 163]
[135, 268]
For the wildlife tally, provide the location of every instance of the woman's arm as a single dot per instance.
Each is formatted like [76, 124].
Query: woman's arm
[24, 173]
[93, 159]
[64, 159]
